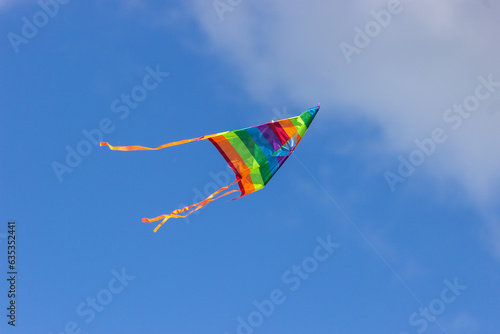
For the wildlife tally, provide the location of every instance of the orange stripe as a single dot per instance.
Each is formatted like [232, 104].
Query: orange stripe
[289, 128]
[296, 131]
[238, 163]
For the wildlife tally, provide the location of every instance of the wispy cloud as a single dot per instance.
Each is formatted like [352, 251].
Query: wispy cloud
[428, 58]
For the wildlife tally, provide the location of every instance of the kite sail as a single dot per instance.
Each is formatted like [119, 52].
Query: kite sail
[254, 154]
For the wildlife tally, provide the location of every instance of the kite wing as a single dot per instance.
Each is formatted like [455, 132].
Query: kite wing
[254, 154]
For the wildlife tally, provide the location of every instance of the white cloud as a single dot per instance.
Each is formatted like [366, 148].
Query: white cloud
[428, 58]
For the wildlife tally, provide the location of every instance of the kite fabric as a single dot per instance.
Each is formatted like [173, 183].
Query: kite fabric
[254, 154]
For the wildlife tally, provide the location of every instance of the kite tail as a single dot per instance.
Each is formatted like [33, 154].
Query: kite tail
[196, 206]
[143, 148]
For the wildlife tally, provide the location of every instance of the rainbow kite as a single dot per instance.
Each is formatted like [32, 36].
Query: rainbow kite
[254, 154]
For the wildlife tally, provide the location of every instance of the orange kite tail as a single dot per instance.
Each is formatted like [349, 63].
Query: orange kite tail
[143, 148]
[196, 206]
[193, 207]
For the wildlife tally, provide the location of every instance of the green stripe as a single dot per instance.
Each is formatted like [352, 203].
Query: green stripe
[246, 155]
[307, 118]
[299, 124]
[257, 153]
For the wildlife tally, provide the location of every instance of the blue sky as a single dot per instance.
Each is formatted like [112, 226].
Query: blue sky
[385, 219]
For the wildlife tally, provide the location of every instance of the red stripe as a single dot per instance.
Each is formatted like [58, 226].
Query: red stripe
[279, 132]
[246, 185]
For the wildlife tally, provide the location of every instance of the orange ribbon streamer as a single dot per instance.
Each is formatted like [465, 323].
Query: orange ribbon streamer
[196, 206]
[144, 148]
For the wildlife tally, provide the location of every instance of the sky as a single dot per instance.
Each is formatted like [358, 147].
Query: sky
[385, 219]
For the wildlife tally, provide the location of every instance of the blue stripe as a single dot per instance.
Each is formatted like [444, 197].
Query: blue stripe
[265, 147]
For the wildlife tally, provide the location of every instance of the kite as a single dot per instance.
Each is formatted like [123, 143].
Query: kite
[254, 154]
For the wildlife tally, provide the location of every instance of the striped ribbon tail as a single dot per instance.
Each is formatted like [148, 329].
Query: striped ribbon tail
[191, 208]
[144, 148]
